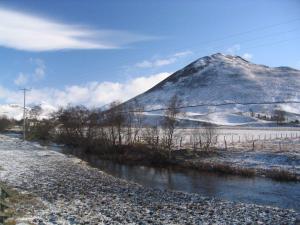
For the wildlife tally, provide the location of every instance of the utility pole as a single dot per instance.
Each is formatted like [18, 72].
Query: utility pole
[24, 113]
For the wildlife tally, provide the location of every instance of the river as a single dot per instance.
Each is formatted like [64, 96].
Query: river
[256, 190]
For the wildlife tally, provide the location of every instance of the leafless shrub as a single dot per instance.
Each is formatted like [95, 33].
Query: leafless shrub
[205, 137]
[35, 127]
[5, 123]
[208, 136]
[42, 130]
[151, 136]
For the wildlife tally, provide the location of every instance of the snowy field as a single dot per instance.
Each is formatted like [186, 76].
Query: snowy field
[72, 192]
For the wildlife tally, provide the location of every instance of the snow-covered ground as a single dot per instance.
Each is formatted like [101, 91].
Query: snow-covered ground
[261, 149]
[72, 192]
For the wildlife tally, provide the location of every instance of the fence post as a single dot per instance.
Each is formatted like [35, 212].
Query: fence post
[180, 142]
[252, 145]
[280, 145]
[225, 143]
[200, 142]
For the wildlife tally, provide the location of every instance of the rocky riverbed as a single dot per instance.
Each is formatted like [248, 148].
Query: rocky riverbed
[71, 192]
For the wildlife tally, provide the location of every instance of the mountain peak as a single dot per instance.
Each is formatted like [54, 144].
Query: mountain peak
[220, 57]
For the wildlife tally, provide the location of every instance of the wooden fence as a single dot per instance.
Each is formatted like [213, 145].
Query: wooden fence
[253, 141]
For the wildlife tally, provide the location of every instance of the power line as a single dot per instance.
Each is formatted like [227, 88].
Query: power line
[275, 34]
[272, 43]
[216, 47]
[250, 31]
[215, 105]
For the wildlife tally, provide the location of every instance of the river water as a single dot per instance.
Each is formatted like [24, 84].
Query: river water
[256, 190]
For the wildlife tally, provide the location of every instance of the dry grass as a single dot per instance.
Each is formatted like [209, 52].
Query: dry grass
[19, 205]
[221, 168]
[281, 175]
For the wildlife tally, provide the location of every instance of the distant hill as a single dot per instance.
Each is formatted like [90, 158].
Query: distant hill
[223, 78]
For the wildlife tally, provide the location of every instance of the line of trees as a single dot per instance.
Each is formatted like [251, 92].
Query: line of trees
[121, 126]
[278, 115]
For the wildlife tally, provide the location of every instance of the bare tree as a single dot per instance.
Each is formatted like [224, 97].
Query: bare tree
[115, 119]
[73, 122]
[34, 117]
[279, 116]
[170, 121]
[138, 119]
[129, 121]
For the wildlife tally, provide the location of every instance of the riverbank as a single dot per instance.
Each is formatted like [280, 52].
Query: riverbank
[280, 165]
[71, 192]
[277, 165]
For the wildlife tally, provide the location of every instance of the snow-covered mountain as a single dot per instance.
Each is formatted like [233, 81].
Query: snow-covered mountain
[16, 111]
[224, 78]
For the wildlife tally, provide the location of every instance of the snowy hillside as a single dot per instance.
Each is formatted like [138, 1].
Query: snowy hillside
[223, 78]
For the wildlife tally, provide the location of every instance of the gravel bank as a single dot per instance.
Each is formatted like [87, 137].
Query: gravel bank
[74, 193]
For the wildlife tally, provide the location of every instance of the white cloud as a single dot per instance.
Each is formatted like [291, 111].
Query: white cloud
[24, 31]
[37, 75]
[93, 94]
[21, 79]
[163, 61]
[232, 50]
[184, 53]
[236, 50]
[247, 56]
[39, 71]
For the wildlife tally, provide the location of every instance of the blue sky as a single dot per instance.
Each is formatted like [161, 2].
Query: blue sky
[92, 52]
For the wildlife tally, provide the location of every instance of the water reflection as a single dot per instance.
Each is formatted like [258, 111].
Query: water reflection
[249, 190]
